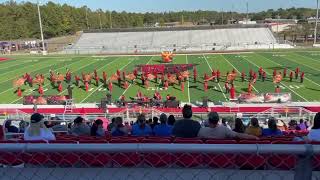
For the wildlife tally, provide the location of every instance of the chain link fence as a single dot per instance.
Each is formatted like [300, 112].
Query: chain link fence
[158, 159]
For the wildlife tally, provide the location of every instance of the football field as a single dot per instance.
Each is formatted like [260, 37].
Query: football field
[307, 61]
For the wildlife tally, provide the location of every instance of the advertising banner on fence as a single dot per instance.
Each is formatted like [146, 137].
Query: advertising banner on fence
[265, 98]
[44, 100]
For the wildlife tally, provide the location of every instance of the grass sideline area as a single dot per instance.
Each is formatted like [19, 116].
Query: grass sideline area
[307, 61]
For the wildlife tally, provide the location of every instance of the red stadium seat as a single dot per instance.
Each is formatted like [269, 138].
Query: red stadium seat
[125, 159]
[219, 160]
[38, 158]
[157, 159]
[188, 159]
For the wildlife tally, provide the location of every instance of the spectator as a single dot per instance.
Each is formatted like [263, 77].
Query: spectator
[80, 128]
[141, 128]
[128, 126]
[225, 123]
[37, 130]
[302, 125]
[10, 128]
[171, 120]
[110, 126]
[97, 128]
[272, 129]
[163, 129]
[186, 128]
[149, 122]
[22, 126]
[282, 125]
[155, 122]
[118, 128]
[293, 125]
[238, 126]
[220, 131]
[314, 133]
[254, 128]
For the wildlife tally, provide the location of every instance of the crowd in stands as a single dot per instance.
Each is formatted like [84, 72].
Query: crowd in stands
[165, 126]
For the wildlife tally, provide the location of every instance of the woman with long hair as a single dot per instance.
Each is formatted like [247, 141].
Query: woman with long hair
[272, 129]
[97, 128]
[314, 133]
[238, 126]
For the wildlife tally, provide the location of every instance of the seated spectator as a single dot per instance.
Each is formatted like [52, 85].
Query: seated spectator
[293, 126]
[97, 128]
[37, 130]
[238, 126]
[128, 126]
[22, 126]
[225, 123]
[110, 126]
[80, 128]
[186, 128]
[272, 129]
[163, 129]
[140, 128]
[155, 122]
[254, 128]
[217, 131]
[282, 126]
[119, 129]
[302, 125]
[10, 128]
[314, 133]
[171, 120]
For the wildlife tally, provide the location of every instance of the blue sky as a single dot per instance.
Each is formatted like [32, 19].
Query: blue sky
[178, 5]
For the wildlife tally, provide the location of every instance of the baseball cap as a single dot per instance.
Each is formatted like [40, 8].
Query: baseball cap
[36, 117]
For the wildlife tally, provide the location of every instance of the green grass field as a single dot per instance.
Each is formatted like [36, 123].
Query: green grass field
[308, 61]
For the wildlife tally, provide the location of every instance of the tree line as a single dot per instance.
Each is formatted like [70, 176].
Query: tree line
[20, 20]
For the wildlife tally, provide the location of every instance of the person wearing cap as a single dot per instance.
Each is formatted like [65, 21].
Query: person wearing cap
[37, 130]
[217, 131]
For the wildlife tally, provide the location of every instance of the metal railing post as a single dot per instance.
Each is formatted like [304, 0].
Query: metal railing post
[304, 168]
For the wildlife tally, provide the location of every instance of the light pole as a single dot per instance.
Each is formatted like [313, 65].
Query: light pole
[41, 30]
[316, 26]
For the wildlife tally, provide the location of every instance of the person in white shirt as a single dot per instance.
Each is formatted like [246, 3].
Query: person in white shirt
[314, 133]
[37, 130]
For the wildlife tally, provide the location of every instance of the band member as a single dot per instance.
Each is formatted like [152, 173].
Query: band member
[168, 97]
[110, 86]
[264, 76]
[218, 75]
[195, 74]
[232, 92]
[60, 87]
[233, 71]
[86, 85]
[139, 95]
[291, 76]
[19, 92]
[162, 79]
[250, 74]
[260, 72]
[301, 77]
[213, 73]
[182, 86]
[155, 77]
[277, 90]
[205, 76]
[118, 73]
[40, 90]
[284, 72]
[205, 86]
[250, 86]
[126, 85]
[243, 75]
[124, 75]
[226, 86]
[297, 72]
[135, 72]
[254, 77]
[274, 72]
[95, 73]
[68, 76]
[77, 79]
[104, 75]
[166, 85]
[143, 80]
[97, 80]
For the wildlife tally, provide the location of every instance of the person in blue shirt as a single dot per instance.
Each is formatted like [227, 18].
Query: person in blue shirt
[162, 129]
[140, 128]
[272, 129]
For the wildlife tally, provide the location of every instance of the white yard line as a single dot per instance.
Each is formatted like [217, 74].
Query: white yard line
[307, 57]
[189, 98]
[238, 71]
[280, 82]
[135, 80]
[302, 64]
[49, 84]
[218, 82]
[102, 84]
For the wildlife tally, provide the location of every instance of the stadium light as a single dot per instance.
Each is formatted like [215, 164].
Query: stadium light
[44, 52]
[316, 26]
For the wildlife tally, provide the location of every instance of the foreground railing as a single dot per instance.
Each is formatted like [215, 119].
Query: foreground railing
[160, 161]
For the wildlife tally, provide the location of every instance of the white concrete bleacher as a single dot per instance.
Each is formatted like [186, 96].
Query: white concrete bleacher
[182, 40]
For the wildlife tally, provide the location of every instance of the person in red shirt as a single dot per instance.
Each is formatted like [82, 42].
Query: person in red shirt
[218, 75]
[213, 73]
[243, 75]
[254, 76]
[278, 90]
[260, 72]
[40, 90]
[195, 74]
[264, 76]
[166, 85]
[284, 72]
[291, 76]
[226, 86]
[274, 72]
[250, 74]
[139, 95]
[301, 77]
[97, 80]
[118, 73]
[19, 92]
[205, 85]
[135, 72]
[155, 77]
[60, 87]
[168, 97]
[232, 92]
[182, 86]
[126, 85]
[110, 86]
[143, 80]
[104, 76]
[124, 75]
[250, 88]
[297, 72]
